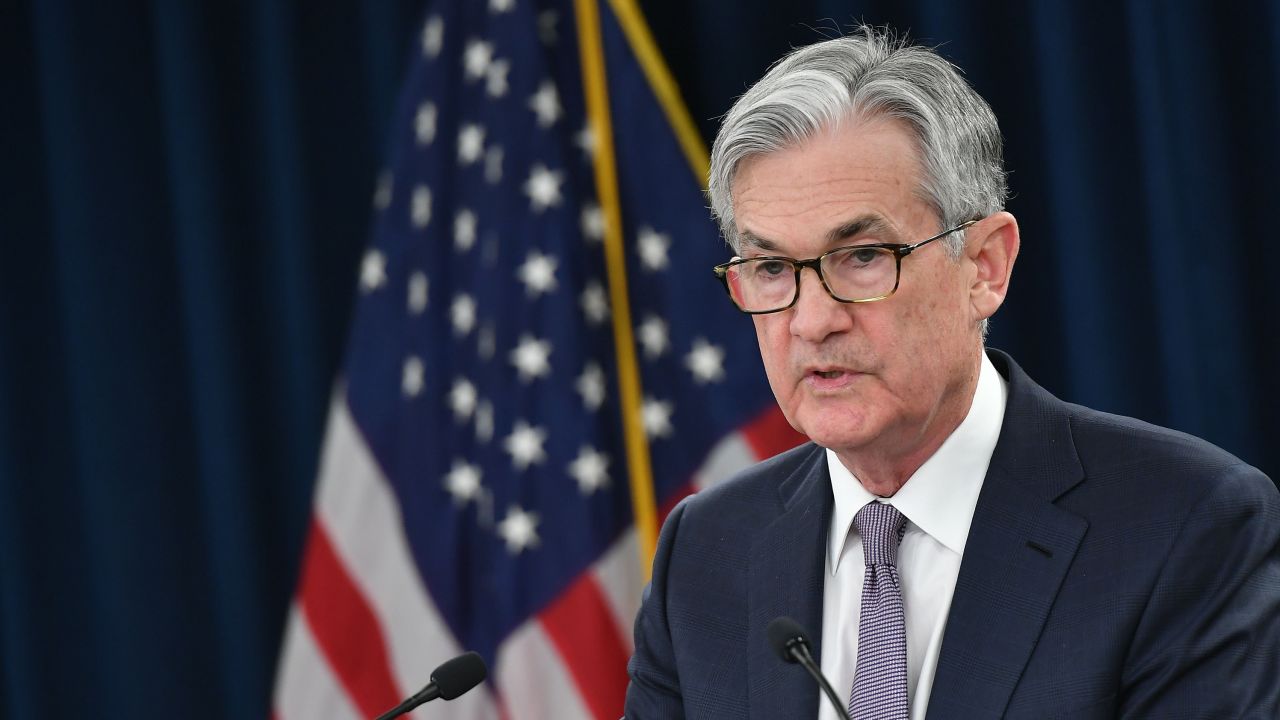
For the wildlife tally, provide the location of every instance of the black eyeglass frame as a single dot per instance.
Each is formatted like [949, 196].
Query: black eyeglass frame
[899, 251]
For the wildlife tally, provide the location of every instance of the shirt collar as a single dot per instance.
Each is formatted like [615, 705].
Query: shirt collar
[941, 495]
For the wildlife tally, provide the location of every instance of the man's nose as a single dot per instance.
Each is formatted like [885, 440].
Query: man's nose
[816, 314]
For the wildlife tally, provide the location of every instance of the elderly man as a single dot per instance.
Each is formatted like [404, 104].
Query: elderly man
[958, 541]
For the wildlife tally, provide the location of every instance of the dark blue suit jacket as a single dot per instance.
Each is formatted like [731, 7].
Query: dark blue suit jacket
[1113, 569]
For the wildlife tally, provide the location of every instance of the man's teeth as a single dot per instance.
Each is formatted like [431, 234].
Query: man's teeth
[828, 374]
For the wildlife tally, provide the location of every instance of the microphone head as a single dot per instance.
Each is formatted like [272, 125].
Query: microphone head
[784, 634]
[455, 677]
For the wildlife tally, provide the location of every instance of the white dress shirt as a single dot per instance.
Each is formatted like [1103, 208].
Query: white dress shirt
[938, 502]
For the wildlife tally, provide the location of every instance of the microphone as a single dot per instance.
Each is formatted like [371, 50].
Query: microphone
[792, 645]
[453, 678]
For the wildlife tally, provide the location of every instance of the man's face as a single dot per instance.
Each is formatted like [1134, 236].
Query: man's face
[887, 377]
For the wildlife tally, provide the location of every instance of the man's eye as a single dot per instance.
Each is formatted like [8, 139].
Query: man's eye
[771, 268]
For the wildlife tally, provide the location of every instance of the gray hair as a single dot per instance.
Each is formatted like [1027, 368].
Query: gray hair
[870, 74]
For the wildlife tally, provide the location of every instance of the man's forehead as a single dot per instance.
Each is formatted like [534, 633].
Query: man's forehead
[862, 224]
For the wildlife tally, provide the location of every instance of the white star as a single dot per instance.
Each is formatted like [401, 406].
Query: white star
[463, 482]
[484, 421]
[462, 399]
[411, 377]
[476, 58]
[538, 273]
[495, 78]
[586, 141]
[433, 36]
[530, 358]
[590, 469]
[519, 529]
[470, 143]
[524, 444]
[373, 271]
[592, 222]
[464, 230]
[652, 247]
[418, 286]
[382, 192]
[547, 20]
[705, 361]
[543, 188]
[420, 207]
[655, 415]
[463, 314]
[424, 123]
[595, 303]
[486, 342]
[493, 164]
[590, 385]
[501, 6]
[652, 334]
[546, 104]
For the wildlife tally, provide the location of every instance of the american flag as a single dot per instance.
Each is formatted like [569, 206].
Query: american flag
[513, 419]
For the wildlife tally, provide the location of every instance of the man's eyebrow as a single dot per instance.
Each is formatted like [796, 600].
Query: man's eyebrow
[859, 226]
[763, 244]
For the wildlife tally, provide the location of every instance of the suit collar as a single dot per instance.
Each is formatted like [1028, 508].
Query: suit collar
[1019, 549]
[785, 578]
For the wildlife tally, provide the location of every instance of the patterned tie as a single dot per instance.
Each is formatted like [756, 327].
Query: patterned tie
[880, 680]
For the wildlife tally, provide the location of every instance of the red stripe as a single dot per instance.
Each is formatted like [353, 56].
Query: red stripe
[770, 434]
[345, 627]
[587, 637]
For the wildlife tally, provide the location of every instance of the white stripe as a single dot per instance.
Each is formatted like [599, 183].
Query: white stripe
[619, 577]
[362, 516]
[729, 456]
[535, 683]
[305, 687]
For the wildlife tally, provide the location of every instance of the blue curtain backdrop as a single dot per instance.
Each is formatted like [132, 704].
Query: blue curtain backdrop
[184, 194]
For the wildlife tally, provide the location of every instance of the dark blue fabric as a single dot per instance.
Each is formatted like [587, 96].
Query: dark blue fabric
[1113, 569]
[184, 195]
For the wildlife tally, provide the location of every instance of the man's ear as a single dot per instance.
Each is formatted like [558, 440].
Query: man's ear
[991, 245]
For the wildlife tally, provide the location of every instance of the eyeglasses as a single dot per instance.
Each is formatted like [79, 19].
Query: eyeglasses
[853, 274]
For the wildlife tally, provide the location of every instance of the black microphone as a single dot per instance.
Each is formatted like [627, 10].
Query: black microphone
[453, 678]
[792, 645]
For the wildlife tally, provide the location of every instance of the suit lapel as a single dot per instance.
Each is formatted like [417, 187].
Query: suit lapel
[785, 578]
[1019, 549]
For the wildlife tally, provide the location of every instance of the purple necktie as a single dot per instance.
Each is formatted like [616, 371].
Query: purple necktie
[880, 679]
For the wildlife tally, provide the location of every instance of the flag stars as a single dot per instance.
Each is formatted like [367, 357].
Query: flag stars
[463, 482]
[493, 165]
[538, 273]
[470, 143]
[424, 123]
[382, 192]
[595, 303]
[476, 58]
[652, 246]
[524, 445]
[464, 230]
[705, 361]
[495, 78]
[411, 377]
[418, 287]
[420, 207]
[655, 416]
[652, 335]
[585, 139]
[486, 342]
[519, 529]
[501, 6]
[462, 399]
[462, 313]
[590, 469]
[546, 104]
[373, 271]
[592, 221]
[484, 421]
[543, 188]
[433, 37]
[590, 385]
[530, 357]
[547, 20]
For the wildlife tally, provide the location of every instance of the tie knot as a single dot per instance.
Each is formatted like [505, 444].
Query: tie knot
[881, 527]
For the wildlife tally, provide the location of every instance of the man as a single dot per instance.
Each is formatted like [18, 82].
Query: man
[957, 541]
